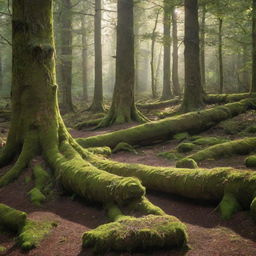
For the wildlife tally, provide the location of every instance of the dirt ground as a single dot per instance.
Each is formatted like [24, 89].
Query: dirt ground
[208, 234]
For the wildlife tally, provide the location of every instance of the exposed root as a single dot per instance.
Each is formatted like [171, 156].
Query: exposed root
[160, 104]
[88, 124]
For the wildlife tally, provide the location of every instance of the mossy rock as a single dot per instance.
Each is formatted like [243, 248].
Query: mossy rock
[137, 234]
[12, 219]
[209, 141]
[250, 161]
[185, 147]
[171, 155]
[33, 233]
[187, 163]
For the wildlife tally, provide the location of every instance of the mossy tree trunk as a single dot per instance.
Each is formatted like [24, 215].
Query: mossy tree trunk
[97, 104]
[167, 93]
[123, 107]
[175, 55]
[220, 53]
[253, 87]
[193, 96]
[66, 55]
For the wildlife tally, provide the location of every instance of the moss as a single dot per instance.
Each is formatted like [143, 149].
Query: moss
[105, 151]
[253, 208]
[181, 136]
[187, 163]
[87, 124]
[251, 129]
[160, 104]
[232, 127]
[36, 196]
[33, 233]
[42, 178]
[229, 206]
[153, 132]
[12, 219]
[27, 180]
[2, 249]
[209, 141]
[224, 98]
[171, 155]
[251, 161]
[236, 147]
[122, 146]
[185, 147]
[132, 234]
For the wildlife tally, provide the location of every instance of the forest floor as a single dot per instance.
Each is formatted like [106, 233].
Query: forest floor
[208, 234]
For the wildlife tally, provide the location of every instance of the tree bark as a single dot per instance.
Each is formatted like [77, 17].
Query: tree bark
[193, 96]
[220, 44]
[97, 104]
[175, 55]
[66, 55]
[167, 93]
[123, 107]
[202, 52]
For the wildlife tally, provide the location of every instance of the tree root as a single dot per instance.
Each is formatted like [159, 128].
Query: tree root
[152, 132]
[88, 124]
[160, 104]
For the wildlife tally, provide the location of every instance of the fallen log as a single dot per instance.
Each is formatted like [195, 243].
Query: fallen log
[152, 132]
[160, 104]
[225, 98]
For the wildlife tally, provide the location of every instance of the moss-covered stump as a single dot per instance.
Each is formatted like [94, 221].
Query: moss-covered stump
[236, 147]
[159, 104]
[203, 184]
[12, 219]
[137, 234]
[153, 132]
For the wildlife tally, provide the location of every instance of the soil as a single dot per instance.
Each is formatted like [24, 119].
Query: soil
[208, 234]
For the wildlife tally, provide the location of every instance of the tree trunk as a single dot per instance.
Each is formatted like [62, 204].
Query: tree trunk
[253, 87]
[167, 94]
[175, 55]
[66, 55]
[97, 104]
[123, 107]
[1, 71]
[193, 96]
[220, 43]
[152, 62]
[202, 52]
[84, 59]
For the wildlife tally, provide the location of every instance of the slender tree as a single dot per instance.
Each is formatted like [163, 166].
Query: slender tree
[123, 107]
[167, 93]
[97, 104]
[220, 54]
[202, 48]
[66, 55]
[193, 96]
[253, 87]
[175, 55]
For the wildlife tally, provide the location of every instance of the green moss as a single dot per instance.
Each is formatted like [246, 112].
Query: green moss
[36, 196]
[42, 178]
[133, 234]
[185, 147]
[209, 141]
[122, 146]
[187, 163]
[236, 147]
[171, 155]
[253, 208]
[12, 219]
[2, 249]
[250, 161]
[105, 151]
[27, 180]
[251, 129]
[232, 127]
[224, 98]
[181, 136]
[229, 206]
[33, 233]
[87, 124]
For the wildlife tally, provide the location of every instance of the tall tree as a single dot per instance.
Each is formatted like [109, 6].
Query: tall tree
[97, 104]
[167, 93]
[193, 95]
[123, 107]
[175, 55]
[220, 54]
[202, 48]
[66, 55]
[253, 87]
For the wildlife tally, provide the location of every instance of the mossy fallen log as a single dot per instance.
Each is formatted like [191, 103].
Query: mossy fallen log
[225, 98]
[160, 104]
[93, 184]
[153, 132]
[12, 219]
[227, 149]
[203, 184]
[131, 234]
